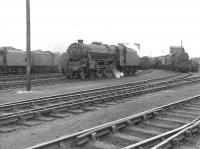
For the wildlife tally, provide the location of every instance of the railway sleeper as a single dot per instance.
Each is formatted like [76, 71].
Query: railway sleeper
[8, 121]
[7, 108]
[60, 109]
[83, 139]
[163, 126]
[195, 104]
[138, 129]
[192, 108]
[24, 106]
[179, 116]
[189, 113]
[172, 120]
[88, 108]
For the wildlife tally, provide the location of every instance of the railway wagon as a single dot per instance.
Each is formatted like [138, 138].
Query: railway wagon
[167, 62]
[145, 62]
[157, 62]
[97, 60]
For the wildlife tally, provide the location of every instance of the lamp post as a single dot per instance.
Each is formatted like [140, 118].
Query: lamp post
[28, 46]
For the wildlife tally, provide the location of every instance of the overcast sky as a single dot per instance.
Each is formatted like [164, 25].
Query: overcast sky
[55, 24]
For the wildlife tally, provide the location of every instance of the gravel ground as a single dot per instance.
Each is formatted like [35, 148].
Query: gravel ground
[47, 90]
[190, 143]
[26, 137]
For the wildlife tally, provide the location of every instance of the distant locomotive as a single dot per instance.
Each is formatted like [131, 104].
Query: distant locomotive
[13, 61]
[97, 60]
[177, 60]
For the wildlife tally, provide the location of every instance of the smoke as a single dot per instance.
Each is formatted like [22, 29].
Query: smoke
[117, 73]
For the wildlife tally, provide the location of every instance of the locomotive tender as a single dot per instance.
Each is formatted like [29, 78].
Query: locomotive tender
[13, 61]
[97, 60]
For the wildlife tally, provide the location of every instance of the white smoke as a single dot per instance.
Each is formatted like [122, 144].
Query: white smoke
[117, 73]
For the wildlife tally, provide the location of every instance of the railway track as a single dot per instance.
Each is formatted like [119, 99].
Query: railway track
[36, 82]
[144, 130]
[11, 78]
[144, 72]
[11, 82]
[17, 81]
[34, 111]
[176, 76]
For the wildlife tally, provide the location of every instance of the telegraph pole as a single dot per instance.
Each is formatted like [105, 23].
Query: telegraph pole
[181, 44]
[28, 47]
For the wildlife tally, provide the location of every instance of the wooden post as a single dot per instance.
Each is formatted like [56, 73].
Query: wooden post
[28, 46]
[181, 44]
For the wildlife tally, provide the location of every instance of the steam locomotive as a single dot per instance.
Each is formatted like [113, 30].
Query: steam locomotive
[97, 60]
[177, 60]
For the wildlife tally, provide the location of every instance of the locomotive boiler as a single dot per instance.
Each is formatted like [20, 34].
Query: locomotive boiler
[97, 60]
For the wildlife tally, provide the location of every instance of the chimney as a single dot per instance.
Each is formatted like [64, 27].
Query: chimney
[80, 41]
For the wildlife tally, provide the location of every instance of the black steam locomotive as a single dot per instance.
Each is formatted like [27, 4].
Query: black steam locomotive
[97, 60]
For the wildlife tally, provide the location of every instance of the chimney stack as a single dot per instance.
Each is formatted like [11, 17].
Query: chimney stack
[80, 41]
